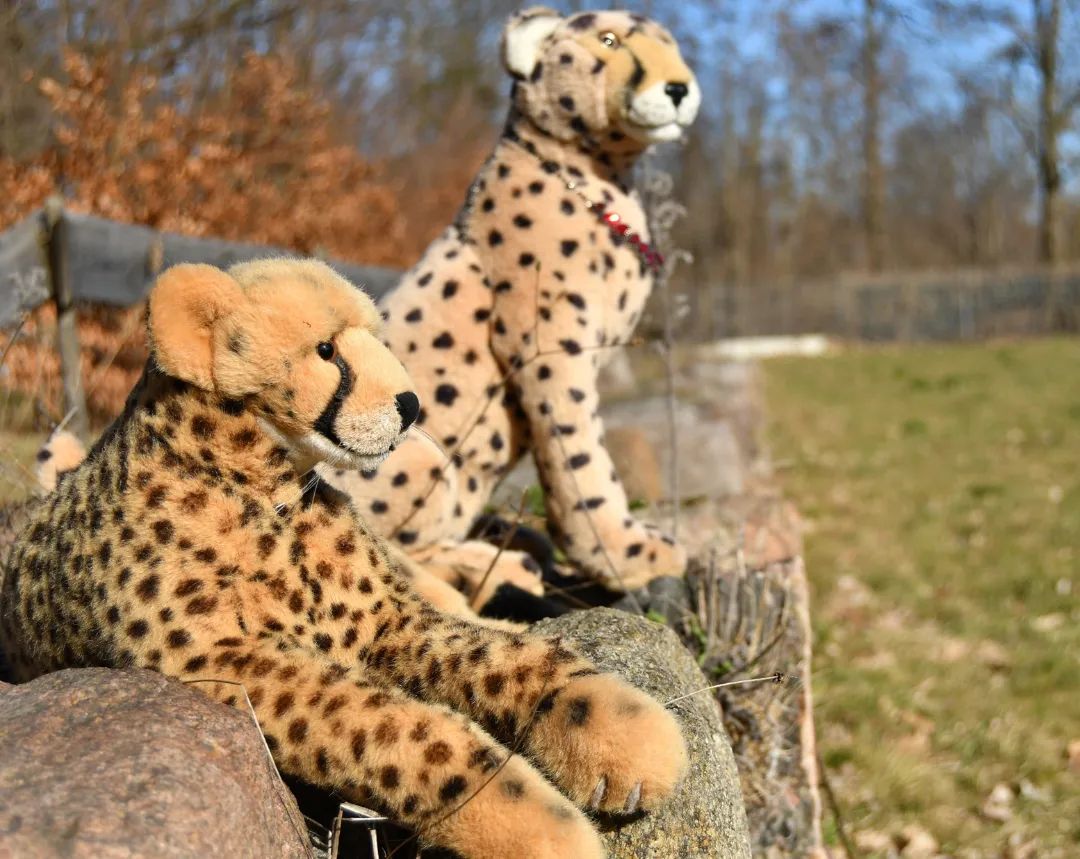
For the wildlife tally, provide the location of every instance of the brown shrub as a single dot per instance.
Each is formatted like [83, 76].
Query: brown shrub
[261, 161]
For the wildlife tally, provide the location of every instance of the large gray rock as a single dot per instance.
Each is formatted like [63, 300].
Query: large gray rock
[707, 454]
[122, 764]
[705, 819]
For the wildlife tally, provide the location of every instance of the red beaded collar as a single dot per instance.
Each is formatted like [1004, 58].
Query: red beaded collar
[653, 259]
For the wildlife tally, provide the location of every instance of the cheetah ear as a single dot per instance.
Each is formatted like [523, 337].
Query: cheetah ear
[523, 36]
[186, 304]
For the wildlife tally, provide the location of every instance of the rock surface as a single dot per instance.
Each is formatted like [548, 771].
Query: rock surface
[707, 455]
[636, 462]
[705, 819]
[117, 764]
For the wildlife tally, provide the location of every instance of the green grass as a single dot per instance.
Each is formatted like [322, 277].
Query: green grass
[941, 488]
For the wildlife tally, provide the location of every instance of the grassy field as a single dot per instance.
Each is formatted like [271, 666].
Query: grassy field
[941, 489]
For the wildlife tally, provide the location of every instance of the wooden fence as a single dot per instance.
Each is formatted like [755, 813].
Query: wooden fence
[72, 259]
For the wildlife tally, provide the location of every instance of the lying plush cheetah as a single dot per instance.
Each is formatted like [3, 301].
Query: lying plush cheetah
[192, 541]
[505, 321]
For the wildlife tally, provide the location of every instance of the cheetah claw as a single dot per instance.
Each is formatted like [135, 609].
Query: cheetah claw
[598, 793]
[633, 799]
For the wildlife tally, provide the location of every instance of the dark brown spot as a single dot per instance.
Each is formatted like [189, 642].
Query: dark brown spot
[386, 733]
[494, 683]
[512, 788]
[389, 778]
[283, 703]
[178, 638]
[203, 427]
[201, 605]
[298, 730]
[438, 752]
[578, 711]
[193, 502]
[188, 587]
[147, 589]
[359, 742]
[452, 788]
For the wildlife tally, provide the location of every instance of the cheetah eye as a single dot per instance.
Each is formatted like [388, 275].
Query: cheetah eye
[610, 39]
[326, 350]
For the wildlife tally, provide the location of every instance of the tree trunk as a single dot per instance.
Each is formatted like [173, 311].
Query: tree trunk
[873, 172]
[1047, 28]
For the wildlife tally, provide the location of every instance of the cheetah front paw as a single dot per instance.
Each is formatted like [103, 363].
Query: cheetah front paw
[609, 746]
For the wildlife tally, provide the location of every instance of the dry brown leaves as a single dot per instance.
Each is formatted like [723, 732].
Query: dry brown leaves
[261, 160]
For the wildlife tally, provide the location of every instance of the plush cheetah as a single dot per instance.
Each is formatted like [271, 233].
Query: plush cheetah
[193, 541]
[506, 319]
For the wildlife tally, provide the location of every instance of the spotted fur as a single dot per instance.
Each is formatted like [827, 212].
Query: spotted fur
[505, 321]
[192, 541]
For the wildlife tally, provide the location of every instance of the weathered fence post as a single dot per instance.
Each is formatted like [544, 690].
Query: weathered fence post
[67, 333]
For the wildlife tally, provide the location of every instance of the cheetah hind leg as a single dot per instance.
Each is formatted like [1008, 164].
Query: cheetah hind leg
[565, 588]
[442, 594]
[479, 569]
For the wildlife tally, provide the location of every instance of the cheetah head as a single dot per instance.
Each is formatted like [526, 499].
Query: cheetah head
[294, 342]
[609, 80]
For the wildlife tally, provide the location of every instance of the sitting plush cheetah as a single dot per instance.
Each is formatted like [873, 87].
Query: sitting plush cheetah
[192, 541]
[505, 321]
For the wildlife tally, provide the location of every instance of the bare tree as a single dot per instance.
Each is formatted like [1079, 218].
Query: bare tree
[873, 170]
[1038, 92]
[816, 153]
[1046, 32]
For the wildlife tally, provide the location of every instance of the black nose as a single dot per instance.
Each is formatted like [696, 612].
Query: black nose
[676, 92]
[408, 406]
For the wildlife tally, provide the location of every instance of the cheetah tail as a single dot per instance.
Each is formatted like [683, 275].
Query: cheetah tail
[61, 453]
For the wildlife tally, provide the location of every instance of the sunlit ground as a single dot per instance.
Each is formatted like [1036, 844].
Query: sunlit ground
[941, 489]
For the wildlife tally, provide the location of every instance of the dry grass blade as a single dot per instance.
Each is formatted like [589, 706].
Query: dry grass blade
[777, 678]
[834, 807]
[14, 336]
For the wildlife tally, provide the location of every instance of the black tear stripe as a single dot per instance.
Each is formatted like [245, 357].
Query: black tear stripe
[325, 422]
[639, 73]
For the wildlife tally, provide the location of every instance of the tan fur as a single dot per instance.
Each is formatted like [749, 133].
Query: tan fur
[183, 312]
[505, 321]
[192, 541]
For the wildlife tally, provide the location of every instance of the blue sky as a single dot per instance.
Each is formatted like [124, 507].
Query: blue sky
[938, 60]
[745, 32]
